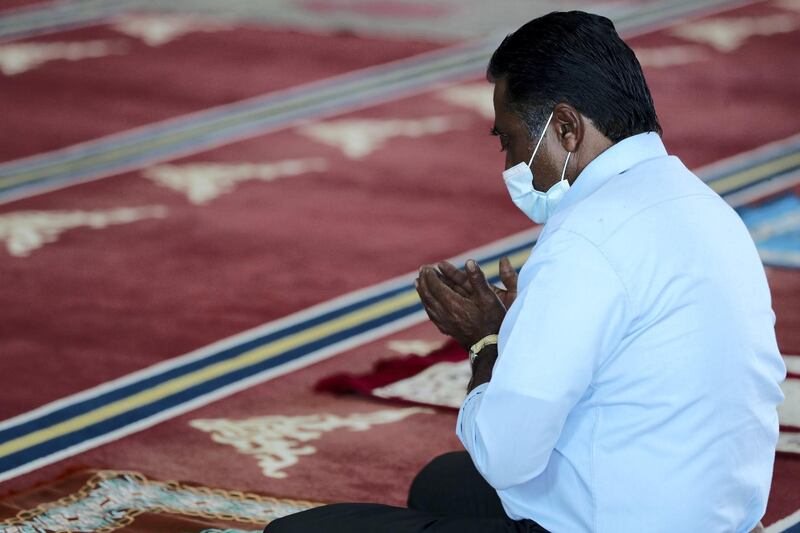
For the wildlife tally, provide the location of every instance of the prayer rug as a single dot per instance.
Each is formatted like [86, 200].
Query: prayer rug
[107, 500]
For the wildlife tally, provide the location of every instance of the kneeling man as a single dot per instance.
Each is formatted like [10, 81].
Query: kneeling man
[628, 380]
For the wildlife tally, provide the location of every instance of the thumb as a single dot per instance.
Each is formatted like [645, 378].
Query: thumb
[477, 279]
[508, 275]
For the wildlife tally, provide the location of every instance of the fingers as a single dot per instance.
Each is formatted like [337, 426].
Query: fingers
[508, 275]
[433, 307]
[438, 289]
[466, 319]
[430, 304]
[477, 279]
[439, 276]
[458, 276]
[455, 279]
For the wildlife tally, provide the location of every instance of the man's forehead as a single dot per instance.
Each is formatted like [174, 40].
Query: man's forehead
[501, 111]
[499, 94]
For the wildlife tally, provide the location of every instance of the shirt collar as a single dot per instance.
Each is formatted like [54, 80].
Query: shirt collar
[620, 157]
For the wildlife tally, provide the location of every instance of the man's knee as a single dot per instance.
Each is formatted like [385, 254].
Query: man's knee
[428, 484]
[287, 524]
[303, 521]
[314, 519]
[350, 517]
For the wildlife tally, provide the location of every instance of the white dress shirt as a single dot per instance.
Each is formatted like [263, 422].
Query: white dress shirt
[638, 373]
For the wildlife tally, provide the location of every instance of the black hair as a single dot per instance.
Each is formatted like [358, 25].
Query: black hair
[576, 58]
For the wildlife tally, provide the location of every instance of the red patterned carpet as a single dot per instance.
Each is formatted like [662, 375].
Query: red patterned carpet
[132, 76]
[155, 260]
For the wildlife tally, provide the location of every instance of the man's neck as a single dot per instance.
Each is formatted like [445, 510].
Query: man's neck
[594, 143]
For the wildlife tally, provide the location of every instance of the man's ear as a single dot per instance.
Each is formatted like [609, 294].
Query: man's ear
[570, 126]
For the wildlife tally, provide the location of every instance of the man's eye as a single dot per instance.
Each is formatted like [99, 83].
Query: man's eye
[503, 138]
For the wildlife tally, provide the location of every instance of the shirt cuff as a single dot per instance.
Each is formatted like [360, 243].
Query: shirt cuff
[465, 425]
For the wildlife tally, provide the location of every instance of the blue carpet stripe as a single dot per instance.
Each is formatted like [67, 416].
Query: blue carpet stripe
[131, 416]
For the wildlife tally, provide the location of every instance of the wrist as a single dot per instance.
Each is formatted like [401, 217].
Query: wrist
[482, 367]
[476, 348]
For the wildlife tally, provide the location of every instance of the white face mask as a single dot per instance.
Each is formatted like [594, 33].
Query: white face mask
[519, 182]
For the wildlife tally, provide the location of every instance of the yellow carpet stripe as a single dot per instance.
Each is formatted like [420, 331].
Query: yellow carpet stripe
[181, 383]
[740, 179]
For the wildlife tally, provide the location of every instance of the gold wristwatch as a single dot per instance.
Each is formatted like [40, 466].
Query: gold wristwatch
[480, 345]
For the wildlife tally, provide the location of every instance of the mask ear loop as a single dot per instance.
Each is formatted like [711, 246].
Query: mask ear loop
[540, 139]
[565, 166]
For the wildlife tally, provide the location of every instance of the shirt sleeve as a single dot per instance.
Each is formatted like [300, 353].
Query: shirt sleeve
[568, 318]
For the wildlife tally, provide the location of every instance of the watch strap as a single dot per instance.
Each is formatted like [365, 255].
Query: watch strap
[480, 345]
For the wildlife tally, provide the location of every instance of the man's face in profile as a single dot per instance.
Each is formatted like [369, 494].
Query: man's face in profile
[514, 138]
[517, 143]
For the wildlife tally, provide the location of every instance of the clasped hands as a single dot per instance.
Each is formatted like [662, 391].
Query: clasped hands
[462, 303]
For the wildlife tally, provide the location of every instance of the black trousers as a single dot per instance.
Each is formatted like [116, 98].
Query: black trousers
[448, 495]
